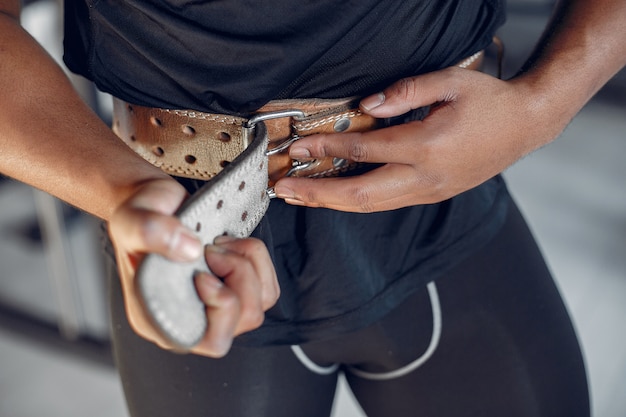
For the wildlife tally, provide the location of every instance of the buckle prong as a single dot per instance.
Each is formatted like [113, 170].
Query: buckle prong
[283, 146]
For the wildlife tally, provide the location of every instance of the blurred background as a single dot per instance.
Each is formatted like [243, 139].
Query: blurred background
[54, 347]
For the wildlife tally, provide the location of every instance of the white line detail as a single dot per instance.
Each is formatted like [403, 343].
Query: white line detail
[312, 366]
[434, 342]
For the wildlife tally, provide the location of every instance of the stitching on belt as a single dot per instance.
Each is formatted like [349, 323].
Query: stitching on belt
[303, 126]
[206, 116]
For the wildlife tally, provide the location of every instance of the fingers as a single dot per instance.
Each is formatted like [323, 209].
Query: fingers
[143, 231]
[388, 187]
[392, 145]
[377, 146]
[222, 306]
[413, 92]
[255, 252]
[419, 157]
[145, 224]
[235, 303]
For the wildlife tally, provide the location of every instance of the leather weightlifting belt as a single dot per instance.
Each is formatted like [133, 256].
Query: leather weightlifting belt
[240, 158]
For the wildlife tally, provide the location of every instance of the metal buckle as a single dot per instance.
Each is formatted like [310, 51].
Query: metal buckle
[250, 124]
[260, 117]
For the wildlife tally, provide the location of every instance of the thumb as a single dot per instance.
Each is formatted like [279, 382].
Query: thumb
[410, 93]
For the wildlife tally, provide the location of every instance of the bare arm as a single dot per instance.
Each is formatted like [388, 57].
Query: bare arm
[582, 48]
[483, 125]
[49, 138]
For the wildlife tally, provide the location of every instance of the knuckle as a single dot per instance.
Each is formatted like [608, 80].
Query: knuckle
[361, 197]
[312, 198]
[405, 89]
[275, 295]
[436, 187]
[256, 246]
[358, 152]
[252, 318]
[270, 299]
[149, 232]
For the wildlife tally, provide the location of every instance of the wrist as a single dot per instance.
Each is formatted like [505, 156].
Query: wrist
[545, 108]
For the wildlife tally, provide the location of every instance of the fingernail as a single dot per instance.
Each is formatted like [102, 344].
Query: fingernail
[224, 239]
[283, 192]
[371, 102]
[299, 153]
[215, 249]
[186, 244]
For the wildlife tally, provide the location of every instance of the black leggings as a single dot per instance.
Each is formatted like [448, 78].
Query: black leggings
[490, 338]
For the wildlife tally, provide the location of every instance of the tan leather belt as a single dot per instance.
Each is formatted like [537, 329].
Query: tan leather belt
[198, 145]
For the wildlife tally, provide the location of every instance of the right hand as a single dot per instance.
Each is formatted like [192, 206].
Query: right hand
[236, 299]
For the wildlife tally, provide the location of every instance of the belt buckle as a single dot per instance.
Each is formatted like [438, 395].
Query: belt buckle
[296, 114]
[251, 123]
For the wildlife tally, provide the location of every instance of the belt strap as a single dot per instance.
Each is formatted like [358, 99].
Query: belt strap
[233, 203]
[193, 144]
[198, 145]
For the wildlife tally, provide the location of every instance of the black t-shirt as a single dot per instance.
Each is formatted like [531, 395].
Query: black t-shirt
[233, 56]
[338, 271]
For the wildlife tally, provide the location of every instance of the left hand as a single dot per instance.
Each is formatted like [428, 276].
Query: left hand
[479, 126]
[243, 288]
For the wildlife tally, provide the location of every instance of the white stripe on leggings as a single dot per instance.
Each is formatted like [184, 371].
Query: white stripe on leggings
[312, 366]
[434, 342]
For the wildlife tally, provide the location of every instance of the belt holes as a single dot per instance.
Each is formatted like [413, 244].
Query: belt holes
[130, 109]
[223, 164]
[133, 138]
[188, 130]
[223, 137]
[155, 121]
[190, 159]
[244, 216]
[198, 226]
[158, 151]
[261, 166]
[220, 204]
[242, 185]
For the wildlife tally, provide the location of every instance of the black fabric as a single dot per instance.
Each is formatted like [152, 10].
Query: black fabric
[507, 348]
[338, 271]
[342, 271]
[233, 56]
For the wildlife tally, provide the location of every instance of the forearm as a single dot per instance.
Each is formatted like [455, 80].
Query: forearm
[51, 140]
[581, 50]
